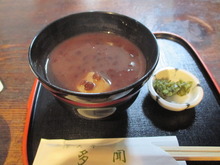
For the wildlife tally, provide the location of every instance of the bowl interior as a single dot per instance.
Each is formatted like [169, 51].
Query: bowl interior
[76, 24]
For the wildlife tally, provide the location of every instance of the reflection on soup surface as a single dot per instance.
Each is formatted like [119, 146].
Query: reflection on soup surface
[95, 63]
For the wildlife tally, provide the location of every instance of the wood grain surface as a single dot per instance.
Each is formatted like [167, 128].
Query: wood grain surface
[20, 20]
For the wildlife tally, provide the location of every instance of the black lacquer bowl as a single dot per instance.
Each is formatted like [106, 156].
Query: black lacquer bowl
[93, 105]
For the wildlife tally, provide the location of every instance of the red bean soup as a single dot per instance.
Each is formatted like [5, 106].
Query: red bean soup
[95, 63]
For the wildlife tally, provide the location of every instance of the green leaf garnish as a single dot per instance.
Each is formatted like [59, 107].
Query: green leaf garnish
[166, 88]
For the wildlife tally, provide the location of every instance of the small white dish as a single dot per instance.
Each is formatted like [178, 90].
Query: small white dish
[177, 103]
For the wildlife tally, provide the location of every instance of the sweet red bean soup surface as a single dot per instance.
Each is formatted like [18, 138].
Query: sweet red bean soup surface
[95, 63]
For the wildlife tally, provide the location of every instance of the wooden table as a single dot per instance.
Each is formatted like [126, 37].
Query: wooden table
[195, 20]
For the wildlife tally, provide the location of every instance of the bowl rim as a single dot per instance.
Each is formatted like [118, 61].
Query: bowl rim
[66, 91]
[172, 105]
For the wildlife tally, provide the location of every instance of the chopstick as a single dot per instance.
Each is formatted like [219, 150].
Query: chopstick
[194, 153]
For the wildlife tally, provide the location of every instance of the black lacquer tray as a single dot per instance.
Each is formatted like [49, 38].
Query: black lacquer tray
[199, 126]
